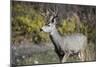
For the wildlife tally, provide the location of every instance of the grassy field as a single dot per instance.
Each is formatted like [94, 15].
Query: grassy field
[49, 56]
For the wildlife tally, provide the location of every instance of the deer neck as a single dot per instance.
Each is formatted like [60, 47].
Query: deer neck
[56, 39]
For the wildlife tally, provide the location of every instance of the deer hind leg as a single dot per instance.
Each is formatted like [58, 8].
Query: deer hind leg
[81, 56]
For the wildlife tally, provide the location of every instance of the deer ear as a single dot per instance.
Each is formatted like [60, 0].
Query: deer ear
[55, 20]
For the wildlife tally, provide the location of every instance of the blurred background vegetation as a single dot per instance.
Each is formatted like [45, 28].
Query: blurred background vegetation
[27, 20]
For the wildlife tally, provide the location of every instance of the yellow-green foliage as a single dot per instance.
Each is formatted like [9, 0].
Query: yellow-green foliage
[29, 21]
[31, 24]
[67, 26]
[84, 28]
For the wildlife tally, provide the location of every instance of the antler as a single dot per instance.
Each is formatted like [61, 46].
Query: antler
[54, 15]
[54, 12]
[45, 13]
[49, 14]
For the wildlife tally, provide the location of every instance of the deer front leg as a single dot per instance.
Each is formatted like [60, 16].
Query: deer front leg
[64, 58]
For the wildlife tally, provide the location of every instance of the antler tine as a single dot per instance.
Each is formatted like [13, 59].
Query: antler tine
[51, 11]
[41, 13]
[56, 9]
[44, 14]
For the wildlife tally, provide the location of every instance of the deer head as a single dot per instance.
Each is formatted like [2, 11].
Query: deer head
[51, 24]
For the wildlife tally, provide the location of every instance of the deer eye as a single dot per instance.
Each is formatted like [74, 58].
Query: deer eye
[48, 25]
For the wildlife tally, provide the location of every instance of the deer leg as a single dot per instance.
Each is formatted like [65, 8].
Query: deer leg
[81, 56]
[64, 58]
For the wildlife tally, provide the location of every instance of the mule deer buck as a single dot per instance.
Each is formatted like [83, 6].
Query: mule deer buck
[68, 45]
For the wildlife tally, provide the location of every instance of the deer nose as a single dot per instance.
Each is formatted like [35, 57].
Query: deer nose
[41, 30]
